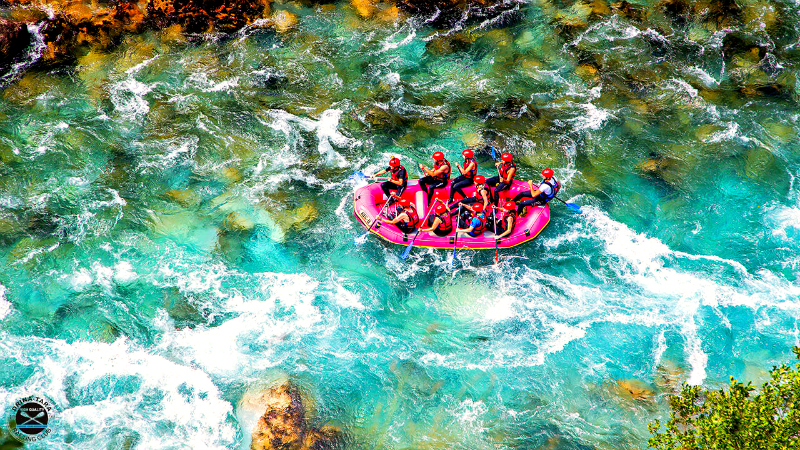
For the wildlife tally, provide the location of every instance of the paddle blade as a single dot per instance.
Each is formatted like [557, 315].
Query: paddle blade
[494, 155]
[574, 207]
[358, 176]
[496, 256]
[407, 251]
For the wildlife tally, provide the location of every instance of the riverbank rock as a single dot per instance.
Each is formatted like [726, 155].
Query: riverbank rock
[284, 423]
[14, 39]
[73, 24]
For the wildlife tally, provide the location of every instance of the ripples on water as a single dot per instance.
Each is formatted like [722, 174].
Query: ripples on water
[176, 228]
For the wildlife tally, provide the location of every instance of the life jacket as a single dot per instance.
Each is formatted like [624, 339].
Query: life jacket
[506, 167]
[445, 222]
[396, 170]
[555, 186]
[489, 193]
[471, 173]
[443, 177]
[479, 230]
[501, 216]
[413, 218]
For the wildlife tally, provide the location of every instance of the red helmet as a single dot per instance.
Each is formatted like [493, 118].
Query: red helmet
[477, 207]
[438, 156]
[441, 209]
[507, 157]
[510, 206]
[405, 203]
[394, 162]
[479, 179]
[547, 173]
[467, 154]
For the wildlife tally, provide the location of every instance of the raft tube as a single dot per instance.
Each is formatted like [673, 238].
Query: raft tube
[368, 201]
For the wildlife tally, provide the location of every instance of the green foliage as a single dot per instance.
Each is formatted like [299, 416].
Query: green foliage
[737, 418]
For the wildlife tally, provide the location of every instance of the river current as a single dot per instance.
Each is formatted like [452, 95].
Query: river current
[176, 227]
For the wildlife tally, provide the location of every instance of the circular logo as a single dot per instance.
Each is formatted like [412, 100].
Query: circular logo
[30, 417]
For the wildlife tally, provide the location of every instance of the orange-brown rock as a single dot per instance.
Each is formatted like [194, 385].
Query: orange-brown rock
[284, 426]
[206, 15]
[77, 23]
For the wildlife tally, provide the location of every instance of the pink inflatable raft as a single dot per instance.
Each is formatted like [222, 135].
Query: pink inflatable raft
[368, 201]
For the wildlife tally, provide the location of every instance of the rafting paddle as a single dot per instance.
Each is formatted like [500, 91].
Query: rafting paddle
[455, 241]
[407, 251]
[361, 238]
[572, 206]
[494, 155]
[494, 222]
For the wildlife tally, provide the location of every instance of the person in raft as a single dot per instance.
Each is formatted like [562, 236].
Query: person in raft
[547, 190]
[398, 181]
[437, 177]
[466, 178]
[505, 218]
[407, 219]
[440, 222]
[506, 169]
[483, 194]
[477, 223]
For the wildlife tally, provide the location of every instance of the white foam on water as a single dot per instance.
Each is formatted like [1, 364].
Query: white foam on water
[326, 129]
[344, 297]
[730, 133]
[593, 119]
[785, 221]
[127, 96]
[201, 80]
[281, 309]
[703, 76]
[390, 42]
[5, 305]
[147, 395]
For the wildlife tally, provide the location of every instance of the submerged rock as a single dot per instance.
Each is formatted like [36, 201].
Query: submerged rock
[284, 21]
[284, 424]
[635, 389]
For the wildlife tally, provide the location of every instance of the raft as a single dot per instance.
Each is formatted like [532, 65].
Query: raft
[369, 200]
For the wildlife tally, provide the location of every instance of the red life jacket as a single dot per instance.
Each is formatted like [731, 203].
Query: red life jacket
[501, 216]
[470, 173]
[444, 176]
[413, 217]
[445, 222]
[396, 170]
[505, 168]
[489, 193]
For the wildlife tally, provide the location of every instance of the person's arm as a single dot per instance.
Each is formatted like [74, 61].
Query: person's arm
[399, 180]
[376, 174]
[438, 171]
[425, 170]
[485, 199]
[463, 171]
[471, 166]
[510, 175]
[398, 218]
[530, 185]
[465, 230]
[508, 229]
[436, 222]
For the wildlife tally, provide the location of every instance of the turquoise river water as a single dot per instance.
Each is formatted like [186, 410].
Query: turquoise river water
[176, 227]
